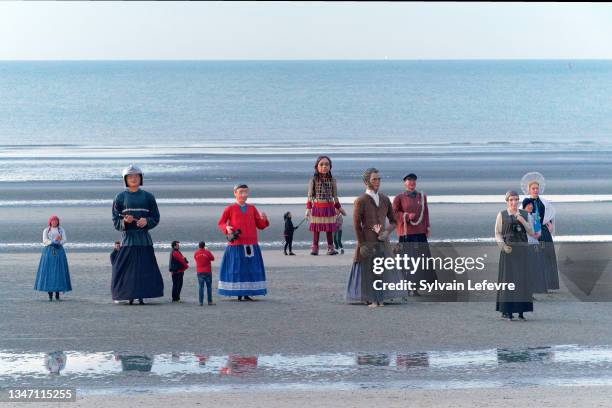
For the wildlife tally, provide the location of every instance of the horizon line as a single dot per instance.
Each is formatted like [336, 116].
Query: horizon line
[565, 59]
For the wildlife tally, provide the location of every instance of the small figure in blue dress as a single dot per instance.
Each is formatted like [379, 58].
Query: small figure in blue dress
[53, 274]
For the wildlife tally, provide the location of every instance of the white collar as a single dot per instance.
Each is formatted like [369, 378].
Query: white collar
[374, 195]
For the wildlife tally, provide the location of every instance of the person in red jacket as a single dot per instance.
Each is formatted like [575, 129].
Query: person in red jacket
[178, 266]
[203, 258]
[242, 268]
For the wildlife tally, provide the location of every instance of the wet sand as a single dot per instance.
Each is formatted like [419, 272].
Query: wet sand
[191, 223]
[526, 397]
[304, 312]
[462, 173]
[531, 397]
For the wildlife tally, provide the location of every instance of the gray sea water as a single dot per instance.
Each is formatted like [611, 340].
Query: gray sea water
[469, 129]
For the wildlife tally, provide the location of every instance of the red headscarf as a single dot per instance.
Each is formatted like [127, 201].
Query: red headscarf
[52, 218]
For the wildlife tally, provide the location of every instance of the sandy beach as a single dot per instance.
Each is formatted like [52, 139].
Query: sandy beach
[532, 397]
[502, 398]
[198, 128]
[304, 312]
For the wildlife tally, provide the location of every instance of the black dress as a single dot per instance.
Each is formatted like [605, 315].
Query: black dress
[551, 271]
[416, 246]
[514, 268]
[288, 233]
[136, 274]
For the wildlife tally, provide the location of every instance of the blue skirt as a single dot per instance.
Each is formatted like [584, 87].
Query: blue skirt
[353, 289]
[242, 273]
[358, 292]
[136, 274]
[53, 274]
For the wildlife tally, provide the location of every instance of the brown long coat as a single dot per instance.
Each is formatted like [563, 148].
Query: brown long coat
[366, 215]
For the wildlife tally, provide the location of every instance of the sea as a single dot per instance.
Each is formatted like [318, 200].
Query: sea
[468, 129]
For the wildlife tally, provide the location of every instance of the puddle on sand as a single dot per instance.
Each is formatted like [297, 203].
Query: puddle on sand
[497, 367]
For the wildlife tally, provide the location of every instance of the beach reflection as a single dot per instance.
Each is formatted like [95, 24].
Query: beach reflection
[411, 360]
[329, 368]
[239, 365]
[528, 355]
[379, 360]
[134, 362]
[55, 362]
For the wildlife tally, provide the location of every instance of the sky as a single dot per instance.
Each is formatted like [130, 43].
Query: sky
[293, 30]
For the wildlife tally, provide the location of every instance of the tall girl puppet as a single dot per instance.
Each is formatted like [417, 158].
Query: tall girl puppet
[323, 205]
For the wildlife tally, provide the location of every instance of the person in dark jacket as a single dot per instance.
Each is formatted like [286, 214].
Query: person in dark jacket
[511, 230]
[288, 233]
[136, 274]
[115, 252]
[178, 266]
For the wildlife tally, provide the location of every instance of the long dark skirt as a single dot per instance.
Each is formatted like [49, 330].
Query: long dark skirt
[416, 246]
[136, 274]
[360, 287]
[513, 268]
[549, 255]
[537, 275]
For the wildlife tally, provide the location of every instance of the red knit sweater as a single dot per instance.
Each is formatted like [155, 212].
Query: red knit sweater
[403, 204]
[248, 223]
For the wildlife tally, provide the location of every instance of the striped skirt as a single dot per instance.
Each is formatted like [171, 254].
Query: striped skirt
[323, 217]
